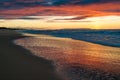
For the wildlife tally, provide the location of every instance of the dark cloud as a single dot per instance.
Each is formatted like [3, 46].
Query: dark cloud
[118, 10]
[30, 18]
[12, 9]
[21, 17]
[74, 18]
[52, 21]
[69, 19]
[80, 21]
[9, 3]
[80, 2]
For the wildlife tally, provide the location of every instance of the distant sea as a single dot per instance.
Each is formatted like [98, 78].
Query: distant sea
[104, 37]
[77, 54]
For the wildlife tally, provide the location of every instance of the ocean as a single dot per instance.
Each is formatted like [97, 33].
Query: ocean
[77, 54]
[104, 37]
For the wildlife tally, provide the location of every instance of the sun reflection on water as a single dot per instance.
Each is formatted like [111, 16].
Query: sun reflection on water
[69, 54]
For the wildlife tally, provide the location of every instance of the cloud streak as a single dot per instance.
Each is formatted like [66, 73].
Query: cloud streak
[12, 9]
[74, 18]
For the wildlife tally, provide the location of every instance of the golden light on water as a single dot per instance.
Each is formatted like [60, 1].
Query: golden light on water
[76, 53]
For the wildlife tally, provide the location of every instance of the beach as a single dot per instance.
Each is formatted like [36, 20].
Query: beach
[17, 63]
[75, 59]
[45, 57]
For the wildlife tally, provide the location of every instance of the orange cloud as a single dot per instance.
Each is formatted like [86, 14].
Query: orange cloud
[65, 10]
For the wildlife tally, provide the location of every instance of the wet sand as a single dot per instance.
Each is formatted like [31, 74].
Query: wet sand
[17, 63]
[77, 59]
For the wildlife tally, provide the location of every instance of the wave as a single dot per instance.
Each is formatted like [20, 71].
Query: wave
[75, 59]
[103, 37]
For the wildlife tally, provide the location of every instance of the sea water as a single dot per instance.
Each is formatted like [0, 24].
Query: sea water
[76, 59]
[104, 37]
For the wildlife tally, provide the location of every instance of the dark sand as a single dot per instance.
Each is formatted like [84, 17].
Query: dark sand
[16, 63]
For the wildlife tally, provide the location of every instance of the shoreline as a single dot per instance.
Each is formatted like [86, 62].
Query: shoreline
[90, 38]
[36, 55]
[18, 63]
[47, 46]
[92, 56]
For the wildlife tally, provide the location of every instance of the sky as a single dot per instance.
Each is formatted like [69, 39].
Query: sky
[60, 14]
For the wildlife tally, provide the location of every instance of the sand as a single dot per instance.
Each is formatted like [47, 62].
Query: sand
[67, 51]
[17, 63]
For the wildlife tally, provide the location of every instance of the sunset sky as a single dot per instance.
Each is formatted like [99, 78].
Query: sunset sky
[59, 14]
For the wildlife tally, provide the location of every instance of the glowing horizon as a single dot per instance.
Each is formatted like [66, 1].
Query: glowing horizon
[62, 22]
